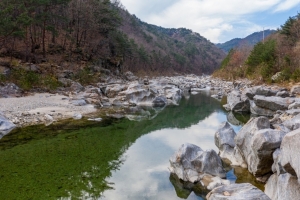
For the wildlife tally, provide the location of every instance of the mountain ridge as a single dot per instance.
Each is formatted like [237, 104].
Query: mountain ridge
[249, 40]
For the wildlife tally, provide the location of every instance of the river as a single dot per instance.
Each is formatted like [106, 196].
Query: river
[112, 159]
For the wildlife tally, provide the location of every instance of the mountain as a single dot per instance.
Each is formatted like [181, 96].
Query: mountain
[101, 33]
[250, 40]
[161, 49]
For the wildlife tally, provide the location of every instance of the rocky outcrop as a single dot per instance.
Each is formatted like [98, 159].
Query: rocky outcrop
[236, 103]
[285, 186]
[10, 90]
[190, 163]
[254, 109]
[295, 105]
[263, 144]
[224, 140]
[159, 101]
[257, 142]
[293, 123]
[237, 192]
[295, 89]
[290, 157]
[130, 76]
[6, 126]
[114, 89]
[273, 103]
[284, 183]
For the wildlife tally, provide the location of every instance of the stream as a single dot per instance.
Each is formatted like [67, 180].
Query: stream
[114, 159]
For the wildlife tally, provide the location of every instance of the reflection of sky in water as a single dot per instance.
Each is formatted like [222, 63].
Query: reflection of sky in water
[145, 174]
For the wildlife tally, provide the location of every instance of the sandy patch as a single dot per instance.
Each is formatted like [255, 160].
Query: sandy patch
[32, 109]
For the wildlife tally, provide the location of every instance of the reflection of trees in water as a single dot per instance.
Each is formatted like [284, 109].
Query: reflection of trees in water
[188, 113]
[75, 160]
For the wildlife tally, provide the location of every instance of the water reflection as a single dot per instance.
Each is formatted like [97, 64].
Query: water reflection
[237, 119]
[111, 159]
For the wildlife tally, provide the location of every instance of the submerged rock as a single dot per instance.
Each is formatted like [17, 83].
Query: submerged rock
[160, 101]
[242, 191]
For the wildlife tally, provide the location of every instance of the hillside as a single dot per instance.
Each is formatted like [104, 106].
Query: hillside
[71, 34]
[250, 40]
[274, 60]
[162, 49]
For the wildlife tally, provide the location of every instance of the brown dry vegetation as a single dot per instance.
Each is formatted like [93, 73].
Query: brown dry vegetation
[278, 54]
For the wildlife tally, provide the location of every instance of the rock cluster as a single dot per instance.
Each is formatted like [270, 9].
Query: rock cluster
[261, 100]
[190, 163]
[269, 148]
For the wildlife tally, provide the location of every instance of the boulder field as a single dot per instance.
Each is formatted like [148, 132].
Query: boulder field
[267, 145]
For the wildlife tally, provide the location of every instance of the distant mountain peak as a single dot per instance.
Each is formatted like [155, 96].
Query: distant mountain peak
[250, 40]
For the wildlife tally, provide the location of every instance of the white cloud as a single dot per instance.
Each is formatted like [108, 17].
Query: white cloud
[211, 18]
[286, 5]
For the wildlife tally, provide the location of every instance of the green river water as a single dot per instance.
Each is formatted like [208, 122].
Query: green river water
[114, 159]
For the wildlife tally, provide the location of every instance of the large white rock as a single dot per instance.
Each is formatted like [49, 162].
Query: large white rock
[273, 103]
[263, 144]
[190, 163]
[254, 109]
[236, 103]
[283, 187]
[224, 140]
[293, 123]
[257, 146]
[290, 156]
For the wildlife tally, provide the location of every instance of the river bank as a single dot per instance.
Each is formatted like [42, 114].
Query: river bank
[76, 101]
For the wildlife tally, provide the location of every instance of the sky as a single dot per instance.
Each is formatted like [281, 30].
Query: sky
[217, 20]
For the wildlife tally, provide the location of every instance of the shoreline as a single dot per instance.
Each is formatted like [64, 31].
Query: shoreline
[78, 101]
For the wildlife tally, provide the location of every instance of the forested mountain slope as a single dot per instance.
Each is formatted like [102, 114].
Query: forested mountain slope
[274, 60]
[99, 32]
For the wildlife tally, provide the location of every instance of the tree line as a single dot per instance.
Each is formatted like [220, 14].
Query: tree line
[278, 54]
[35, 27]
[99, 32]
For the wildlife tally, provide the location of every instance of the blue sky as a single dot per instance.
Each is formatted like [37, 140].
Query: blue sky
[217, 20]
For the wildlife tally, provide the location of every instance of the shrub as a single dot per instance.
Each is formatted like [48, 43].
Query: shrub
[50, 82]
[24, 79]
[264, 55]
[85, 76]
[296, 75]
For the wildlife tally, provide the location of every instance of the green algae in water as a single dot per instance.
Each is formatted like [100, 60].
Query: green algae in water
[73, 163]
